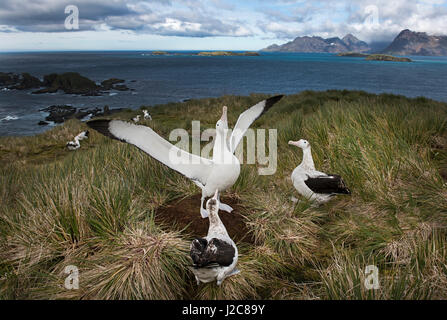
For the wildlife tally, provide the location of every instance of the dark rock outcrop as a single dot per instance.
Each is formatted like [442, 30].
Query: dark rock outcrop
[120, 87]
[409, 42]
[27, 81]
[19, 81]
[69, 82]
[112, 83]
[8, 79]
[61, 113]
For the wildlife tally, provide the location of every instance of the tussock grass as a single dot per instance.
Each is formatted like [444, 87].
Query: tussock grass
[95, 208]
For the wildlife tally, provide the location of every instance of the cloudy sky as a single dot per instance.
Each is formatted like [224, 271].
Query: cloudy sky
[207, 24]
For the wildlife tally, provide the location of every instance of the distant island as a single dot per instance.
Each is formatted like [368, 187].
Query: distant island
[208, 53]
[353, 54]
[227, 53]
[385, 57]
[374, 57]
[407, 42]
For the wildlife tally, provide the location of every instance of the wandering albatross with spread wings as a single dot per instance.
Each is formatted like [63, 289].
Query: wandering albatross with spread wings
[314, 185]
[215, 256]
[219, 173]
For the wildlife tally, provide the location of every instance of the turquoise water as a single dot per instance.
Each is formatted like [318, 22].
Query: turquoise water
[162, 79]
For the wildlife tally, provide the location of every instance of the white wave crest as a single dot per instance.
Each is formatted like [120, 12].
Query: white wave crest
[9, 118]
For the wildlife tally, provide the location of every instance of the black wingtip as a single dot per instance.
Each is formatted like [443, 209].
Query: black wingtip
[102, 126]
[271, 101]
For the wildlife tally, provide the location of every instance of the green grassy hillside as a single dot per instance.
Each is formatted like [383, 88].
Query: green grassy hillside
[108, 208]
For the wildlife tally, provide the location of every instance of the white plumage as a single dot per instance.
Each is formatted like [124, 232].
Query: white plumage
[147, 116]
[136, 119]
[314, 185]
[219, 173]
[215, 256]
[74, 145]
[83, 135]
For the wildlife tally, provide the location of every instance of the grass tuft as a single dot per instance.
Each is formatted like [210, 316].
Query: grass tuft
[95, 208]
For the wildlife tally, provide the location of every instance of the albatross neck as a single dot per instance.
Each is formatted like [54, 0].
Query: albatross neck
[216, 225]
[220, 149]
[308, 161]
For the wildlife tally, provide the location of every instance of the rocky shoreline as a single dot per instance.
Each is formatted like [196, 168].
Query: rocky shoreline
[62, 113]
[68, 82]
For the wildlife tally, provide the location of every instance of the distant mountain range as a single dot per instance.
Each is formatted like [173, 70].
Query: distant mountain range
[319, 44]
[406, 43]
[417, 44]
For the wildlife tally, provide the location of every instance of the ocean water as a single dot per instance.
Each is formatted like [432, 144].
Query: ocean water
[162, 79]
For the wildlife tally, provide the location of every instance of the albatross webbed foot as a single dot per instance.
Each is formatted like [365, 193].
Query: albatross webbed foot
[225, 207]
[204, 213]
[234, 272]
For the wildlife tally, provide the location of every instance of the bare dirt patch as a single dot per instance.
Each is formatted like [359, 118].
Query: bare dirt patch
[184, 214]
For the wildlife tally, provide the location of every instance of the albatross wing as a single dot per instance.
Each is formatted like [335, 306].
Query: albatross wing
[192, 166]
[247, 117]
[216, 252]
[327, 184]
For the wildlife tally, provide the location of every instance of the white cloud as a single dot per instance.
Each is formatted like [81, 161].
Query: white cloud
[274, 21]
[338, 18]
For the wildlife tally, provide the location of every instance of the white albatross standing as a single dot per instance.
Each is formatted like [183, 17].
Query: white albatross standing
[147, 116]
[314, 185]
[136, 119]
[215, 256]
[83, 135]
[219, 173]
[74, 145]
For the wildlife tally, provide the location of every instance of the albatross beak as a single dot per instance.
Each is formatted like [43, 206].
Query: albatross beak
[216, 194]
[293, 143]
[224, 114]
